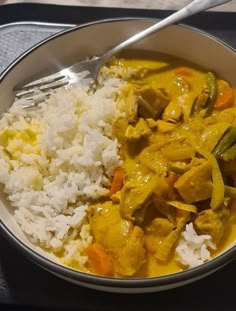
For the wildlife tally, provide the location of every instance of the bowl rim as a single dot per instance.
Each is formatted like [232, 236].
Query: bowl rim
[75, 275]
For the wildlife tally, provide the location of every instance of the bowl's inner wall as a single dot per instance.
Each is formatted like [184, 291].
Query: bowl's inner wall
[97, 38]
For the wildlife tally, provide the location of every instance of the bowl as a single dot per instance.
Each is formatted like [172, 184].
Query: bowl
[65, 48]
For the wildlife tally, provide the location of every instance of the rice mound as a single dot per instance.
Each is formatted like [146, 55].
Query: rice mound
[193, 249]
[55, 159]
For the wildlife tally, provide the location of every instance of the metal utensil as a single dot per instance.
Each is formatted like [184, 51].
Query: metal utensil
[86, 71]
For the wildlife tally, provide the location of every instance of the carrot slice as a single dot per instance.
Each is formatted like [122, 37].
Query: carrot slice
[182, 71]
[225, 96]
[117, 181]
[99, 260]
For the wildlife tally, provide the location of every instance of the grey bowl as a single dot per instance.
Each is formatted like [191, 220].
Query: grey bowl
[64, 49]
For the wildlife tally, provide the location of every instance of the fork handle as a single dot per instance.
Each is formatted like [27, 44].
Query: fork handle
[192, 8]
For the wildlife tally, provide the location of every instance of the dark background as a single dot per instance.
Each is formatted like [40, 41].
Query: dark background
[24, 286]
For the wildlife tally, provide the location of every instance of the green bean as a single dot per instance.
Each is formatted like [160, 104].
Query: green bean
[230, 192]
[212, 86]
[225, 143]
[229, 154]
[176, 170]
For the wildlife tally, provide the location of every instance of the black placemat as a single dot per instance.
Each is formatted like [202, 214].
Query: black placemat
[24, 285]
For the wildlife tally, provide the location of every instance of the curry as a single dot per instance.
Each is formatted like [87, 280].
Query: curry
[177, 136]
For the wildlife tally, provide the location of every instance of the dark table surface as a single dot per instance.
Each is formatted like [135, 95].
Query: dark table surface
[25, 286]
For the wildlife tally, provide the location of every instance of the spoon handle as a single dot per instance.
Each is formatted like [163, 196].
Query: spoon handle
[192, 8]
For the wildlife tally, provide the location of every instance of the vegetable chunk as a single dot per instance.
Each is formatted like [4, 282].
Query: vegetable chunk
[136, 194]
[118, 237]
[195, 185]
[140, 130]
[150, 101]
[209, 222]
[99, 259]
[132, 256]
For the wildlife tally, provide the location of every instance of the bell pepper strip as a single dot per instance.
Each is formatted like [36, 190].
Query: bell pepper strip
[117, 181]
[183, 206]
[230, 192]
[218, 191]
[212, 86]
[225, 143]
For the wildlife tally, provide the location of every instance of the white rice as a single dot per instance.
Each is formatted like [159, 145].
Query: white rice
[193, 249]
[50, 181]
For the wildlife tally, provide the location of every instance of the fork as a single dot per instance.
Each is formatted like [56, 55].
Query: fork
[86, 72]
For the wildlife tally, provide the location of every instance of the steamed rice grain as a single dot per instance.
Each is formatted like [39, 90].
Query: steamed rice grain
[66, 161]
[193, 249]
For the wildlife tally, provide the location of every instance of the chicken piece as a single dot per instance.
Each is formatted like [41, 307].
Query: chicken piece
[214, 224]
[132, 256]
[186, 102]
[123, 241]
[173, 112]
[119, 127]
[152, 159]
[135, 194]
[165, 127]
[107, 226]
[160, 226]
[196, 184]
[150, 101]
[140, 130]
[161, 195]
[155, 232]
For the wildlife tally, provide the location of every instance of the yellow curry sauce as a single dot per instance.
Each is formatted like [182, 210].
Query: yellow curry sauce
[177, 141]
